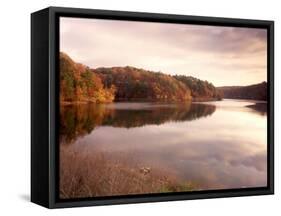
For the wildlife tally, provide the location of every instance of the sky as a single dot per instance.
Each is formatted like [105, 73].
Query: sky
[225, 56]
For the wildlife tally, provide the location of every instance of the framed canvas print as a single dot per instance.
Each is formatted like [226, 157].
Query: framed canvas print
[138, 107]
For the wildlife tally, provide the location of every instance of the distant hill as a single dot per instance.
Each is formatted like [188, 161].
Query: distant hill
[253, 92]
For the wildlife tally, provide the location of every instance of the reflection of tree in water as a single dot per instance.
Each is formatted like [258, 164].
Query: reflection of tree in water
[79, 120]
[260, 108]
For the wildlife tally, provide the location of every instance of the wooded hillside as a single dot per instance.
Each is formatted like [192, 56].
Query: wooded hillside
[79, 83]
[253, 92]
[133, 84]
[199, 88]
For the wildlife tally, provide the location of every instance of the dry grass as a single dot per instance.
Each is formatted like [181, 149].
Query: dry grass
[86, 175]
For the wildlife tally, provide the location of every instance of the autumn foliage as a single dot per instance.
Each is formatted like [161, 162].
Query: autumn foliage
[199, 88]
[133, 84]
[79, 83]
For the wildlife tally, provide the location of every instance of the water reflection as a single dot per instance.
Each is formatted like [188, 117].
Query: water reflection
[260, 108]
[82, 119]
[137, 148]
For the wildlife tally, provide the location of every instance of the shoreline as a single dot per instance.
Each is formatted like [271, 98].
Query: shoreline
[65, 103]
[195, 100]
[250, 100]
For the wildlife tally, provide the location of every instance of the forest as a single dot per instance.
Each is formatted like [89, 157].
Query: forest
[200, 89]
[80, 83]
[253, 92]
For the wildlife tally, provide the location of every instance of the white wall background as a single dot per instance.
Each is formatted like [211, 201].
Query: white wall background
[15, 107]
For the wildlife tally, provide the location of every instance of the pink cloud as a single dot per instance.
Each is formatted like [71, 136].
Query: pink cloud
[222, 55]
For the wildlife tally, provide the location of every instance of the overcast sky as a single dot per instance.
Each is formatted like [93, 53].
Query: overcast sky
[221, 55]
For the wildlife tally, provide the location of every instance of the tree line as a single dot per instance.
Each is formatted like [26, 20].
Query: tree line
[79, 83]
[253, 92]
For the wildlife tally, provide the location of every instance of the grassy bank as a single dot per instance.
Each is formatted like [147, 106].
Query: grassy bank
[86, 175]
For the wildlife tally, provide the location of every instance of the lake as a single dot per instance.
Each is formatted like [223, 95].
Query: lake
[136, 148]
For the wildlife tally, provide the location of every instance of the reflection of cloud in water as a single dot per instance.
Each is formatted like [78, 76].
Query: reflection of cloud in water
[257, 161]
[257, 107]
[225, 150]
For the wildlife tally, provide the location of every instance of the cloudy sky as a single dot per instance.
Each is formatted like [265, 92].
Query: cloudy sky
[221, 55]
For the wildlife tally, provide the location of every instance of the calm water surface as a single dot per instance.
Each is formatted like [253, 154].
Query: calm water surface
[217, 145]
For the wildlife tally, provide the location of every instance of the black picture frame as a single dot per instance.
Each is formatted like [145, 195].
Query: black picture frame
[45, 105]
